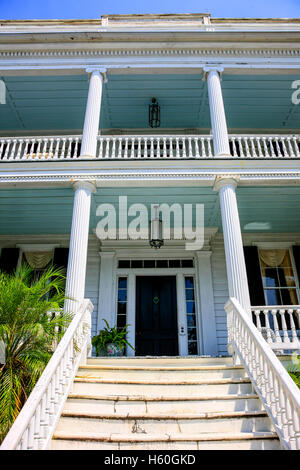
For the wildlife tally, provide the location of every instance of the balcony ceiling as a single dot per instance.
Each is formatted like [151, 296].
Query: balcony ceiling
[57, 103]
[261, 210]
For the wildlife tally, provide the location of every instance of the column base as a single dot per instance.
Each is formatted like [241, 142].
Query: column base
[223, 155]
[87, 156]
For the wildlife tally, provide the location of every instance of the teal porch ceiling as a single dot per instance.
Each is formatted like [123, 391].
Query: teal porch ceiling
[49, 211]
[53, 103]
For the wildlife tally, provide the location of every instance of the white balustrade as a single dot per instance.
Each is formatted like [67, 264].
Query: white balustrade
[277, 391]
[148, 147]
[279, 325]
[36, 422]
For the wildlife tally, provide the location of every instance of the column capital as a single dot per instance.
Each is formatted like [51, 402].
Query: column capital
[212, 68]
[102, 71]
[85, 184]
[222, 181]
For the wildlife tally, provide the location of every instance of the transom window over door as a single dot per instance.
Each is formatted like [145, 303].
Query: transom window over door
[279, 281]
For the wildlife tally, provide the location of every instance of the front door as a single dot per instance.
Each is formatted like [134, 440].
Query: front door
[156, 316]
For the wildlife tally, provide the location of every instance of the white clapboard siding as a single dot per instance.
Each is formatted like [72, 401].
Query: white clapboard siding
[220, 291]
[92, 278]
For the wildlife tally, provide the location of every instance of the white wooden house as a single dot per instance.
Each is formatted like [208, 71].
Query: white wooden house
[76, 140]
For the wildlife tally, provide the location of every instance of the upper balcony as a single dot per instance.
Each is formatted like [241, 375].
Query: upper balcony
[43, 116]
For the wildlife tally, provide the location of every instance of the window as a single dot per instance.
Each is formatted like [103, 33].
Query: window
[279, 282]
[158, 263]
[191, 315]
[122, 302]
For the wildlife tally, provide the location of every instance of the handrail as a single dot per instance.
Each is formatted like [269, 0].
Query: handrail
[277, 391]
[36, 422]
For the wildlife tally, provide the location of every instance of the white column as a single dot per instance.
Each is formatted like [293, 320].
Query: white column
[217, 112]
[92, 114]
[235, 261]
[75, 284]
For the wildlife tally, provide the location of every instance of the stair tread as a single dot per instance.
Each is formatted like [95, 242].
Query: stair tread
[162, 398]
[159, 368]
[222, 380]
[141, 437]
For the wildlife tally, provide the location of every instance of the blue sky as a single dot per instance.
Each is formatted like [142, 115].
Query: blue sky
[72, 9]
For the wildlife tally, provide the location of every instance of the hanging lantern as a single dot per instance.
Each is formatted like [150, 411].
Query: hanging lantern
[154, 113]
[156, 230]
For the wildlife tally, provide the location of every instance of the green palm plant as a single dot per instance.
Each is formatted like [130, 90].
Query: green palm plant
[28, 331]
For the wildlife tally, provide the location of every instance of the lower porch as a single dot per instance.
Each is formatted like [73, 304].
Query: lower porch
[172, 298]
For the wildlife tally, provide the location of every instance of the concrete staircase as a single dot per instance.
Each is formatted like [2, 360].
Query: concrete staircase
[163, 404]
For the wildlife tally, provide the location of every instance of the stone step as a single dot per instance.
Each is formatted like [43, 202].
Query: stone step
[241, 421]
[205, 441]
[143, 407]
[139, 389]
[161, 360]
[187, 373]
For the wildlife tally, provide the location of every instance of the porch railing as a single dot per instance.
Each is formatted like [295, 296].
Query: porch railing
[278, 392]
[279, 325]
[144, 147]
[36, 422]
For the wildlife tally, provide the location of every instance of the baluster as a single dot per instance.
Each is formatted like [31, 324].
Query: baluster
[265, 147]
[290, 147]
[183, 140]
[273, 154]
[276, 327]
[151, 147]
[31, 427]
[24, 440]
[100, 153]
[69, 149]
[8, 142]
[165, 155]
[177, 148]
[171, 150]
[113, 150]
[296, 146]
[268, 328]
[203, 151]
[158, 140]
[126, 148]
[145, 153]
[1, 148]
[257, 318]
[107, 145]
[290, 424]
[139, 149]
[56, 148]
[277, 146]
[190, 148]
[196, 144]
[253, 150]
[209, 146]
[120, 147]
[258, 143]
[38, 149]
[233, 141]
[44, 151]
[32, 149]
[241, 147]
[293, 327]
[286, 338]
[246, 145]
[13, 149]
[19, 151]
[285, 152]
[51, 148]
[37, 426]
[25, 149]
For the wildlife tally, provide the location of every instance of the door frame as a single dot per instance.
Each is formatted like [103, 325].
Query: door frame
[179, 273]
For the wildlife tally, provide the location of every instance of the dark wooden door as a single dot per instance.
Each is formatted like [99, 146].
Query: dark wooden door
[156, 316]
